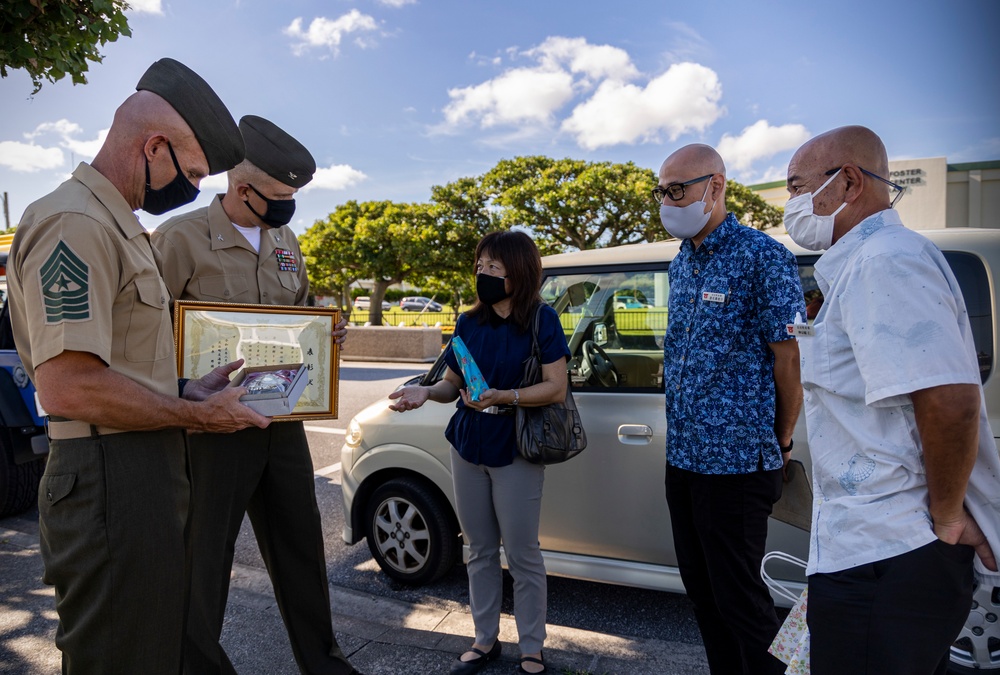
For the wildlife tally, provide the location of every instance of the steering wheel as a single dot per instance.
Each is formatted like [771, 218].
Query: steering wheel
[596, 361]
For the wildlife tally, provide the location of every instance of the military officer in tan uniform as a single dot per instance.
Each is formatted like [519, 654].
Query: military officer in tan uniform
[90, 317]
[240, 249]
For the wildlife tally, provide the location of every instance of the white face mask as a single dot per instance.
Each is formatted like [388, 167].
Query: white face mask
[685, 222]
[807, 229]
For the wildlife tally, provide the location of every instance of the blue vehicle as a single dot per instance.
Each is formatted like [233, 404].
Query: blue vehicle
[23, 442]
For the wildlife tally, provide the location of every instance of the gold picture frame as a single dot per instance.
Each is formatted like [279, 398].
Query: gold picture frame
[210, 334]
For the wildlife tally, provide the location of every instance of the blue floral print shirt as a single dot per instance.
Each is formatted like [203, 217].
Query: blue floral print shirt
[729, 299]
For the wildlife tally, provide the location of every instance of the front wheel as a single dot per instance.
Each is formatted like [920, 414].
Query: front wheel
[411, 532]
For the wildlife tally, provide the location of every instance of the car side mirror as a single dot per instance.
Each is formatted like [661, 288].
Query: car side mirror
[601, 334]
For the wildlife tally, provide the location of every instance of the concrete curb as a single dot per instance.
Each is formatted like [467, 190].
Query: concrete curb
[387, 636]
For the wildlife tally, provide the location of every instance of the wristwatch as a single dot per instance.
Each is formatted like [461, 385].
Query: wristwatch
[517, 396]
[787, 448]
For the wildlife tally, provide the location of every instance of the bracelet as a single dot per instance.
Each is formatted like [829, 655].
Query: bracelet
[517, 397]
[787, 448]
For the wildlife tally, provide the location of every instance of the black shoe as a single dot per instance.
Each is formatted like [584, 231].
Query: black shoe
[520, 668]
[461, 667]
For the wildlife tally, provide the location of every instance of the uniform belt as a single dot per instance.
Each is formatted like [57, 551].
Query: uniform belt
[499, 410]
[62, 429]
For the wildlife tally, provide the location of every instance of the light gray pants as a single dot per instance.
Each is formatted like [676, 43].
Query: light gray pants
[494, 504]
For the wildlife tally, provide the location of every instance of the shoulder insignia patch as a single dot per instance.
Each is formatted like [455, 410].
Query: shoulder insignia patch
[65, 286]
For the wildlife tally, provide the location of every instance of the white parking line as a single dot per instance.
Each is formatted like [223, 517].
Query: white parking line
[326, 430]
[328, 470]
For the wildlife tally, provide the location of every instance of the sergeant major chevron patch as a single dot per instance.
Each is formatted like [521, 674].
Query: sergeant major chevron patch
[65, 286]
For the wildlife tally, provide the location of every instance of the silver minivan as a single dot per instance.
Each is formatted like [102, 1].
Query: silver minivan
[604, 515]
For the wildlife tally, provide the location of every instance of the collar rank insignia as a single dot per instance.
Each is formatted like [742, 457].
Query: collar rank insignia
[65, 282]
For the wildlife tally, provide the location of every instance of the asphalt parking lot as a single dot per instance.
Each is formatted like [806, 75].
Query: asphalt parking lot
[384, 627]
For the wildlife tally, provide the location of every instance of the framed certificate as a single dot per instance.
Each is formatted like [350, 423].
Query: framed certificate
[210, 334]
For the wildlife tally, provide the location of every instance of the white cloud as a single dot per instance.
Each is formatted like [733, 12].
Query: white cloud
[397, 3]
[65, 131]
[335, 177]
[146, 6]
[28, 157]
[682, 100]
[758, 141]
[517, 96]
[323, 32]
[576, 54]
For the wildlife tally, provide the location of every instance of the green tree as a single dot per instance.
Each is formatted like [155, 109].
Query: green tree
[330, 257]
[569, 203]
[382, 241]
[750, 208]
[54, 38]
[462, 216]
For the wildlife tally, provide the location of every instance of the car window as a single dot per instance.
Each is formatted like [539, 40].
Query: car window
[973, 280]
[614, 322]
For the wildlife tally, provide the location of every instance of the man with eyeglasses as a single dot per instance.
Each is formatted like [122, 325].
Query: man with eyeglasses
[240, 249]
[905, 467]
[731, 374]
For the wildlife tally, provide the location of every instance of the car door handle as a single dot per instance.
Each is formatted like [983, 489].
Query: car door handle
[635, 434]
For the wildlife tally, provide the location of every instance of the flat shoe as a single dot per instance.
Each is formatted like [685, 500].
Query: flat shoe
[461, 667]
[520, 668]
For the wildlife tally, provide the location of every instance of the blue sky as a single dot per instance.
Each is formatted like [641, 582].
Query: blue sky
[395, 96]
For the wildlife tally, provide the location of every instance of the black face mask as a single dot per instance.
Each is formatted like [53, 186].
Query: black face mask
[177, 192]
[278, 212]
[490, 289]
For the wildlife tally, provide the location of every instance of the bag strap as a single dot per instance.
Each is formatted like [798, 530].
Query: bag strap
[535, 320]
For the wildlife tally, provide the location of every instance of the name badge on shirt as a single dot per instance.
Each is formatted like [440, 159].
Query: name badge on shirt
[707, 296]
[800, 328]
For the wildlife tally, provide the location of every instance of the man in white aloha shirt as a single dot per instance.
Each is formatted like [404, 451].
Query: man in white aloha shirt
[906, 473]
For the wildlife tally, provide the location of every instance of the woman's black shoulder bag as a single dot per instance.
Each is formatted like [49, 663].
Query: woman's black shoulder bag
[547, 434]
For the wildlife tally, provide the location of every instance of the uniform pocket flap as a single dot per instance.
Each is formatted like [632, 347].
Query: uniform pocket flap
[152, 292]
[54, 488]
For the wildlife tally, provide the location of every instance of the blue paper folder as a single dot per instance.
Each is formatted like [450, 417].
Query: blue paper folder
[474, 381]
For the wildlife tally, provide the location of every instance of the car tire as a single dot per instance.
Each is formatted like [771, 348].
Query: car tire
[411, 531]
[18, 482]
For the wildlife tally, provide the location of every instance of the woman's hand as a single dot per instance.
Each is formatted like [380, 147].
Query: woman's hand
[488, 398]
[409, 398]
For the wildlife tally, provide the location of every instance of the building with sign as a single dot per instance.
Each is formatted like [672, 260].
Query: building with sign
[938, 194]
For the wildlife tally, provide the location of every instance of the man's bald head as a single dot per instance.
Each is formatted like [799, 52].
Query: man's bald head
[697, 159]
[145, 114]
[852, 144]
[858, 153]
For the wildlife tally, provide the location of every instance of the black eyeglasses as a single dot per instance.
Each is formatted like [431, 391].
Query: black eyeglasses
[899, 188]
[676, 190]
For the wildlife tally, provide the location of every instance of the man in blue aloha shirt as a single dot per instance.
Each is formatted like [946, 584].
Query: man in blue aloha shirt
[731, 373]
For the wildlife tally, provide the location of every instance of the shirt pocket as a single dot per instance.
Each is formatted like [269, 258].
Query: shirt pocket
[149, 336]
[223, 288]
[289, 281]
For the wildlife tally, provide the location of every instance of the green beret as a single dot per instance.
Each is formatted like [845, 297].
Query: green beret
[201, 108]
[277, 154]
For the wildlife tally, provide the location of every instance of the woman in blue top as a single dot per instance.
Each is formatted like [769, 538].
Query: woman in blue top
[497, 493]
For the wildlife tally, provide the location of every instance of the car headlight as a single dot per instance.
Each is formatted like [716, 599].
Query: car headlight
[353, 436]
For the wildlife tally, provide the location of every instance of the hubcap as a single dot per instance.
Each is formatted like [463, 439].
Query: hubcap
[401, 535]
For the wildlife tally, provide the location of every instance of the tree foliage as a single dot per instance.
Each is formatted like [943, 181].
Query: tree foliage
[51, 39]
[563, 204]
[750, 208]
[379, 240]
[569, 203]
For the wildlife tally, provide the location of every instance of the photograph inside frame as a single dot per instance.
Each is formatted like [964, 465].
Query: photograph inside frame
[209, 335]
